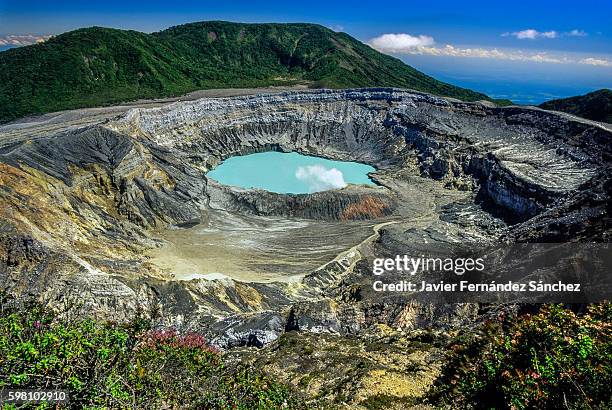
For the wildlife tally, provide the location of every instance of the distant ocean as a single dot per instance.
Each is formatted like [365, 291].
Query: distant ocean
[521, 92]
[523, 83]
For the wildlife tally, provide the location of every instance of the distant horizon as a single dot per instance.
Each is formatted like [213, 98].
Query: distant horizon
[529, 53]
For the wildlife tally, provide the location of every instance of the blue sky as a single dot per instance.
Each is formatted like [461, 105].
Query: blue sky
[526, 50]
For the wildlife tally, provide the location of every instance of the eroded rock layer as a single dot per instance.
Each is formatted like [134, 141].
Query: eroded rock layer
[81, 205]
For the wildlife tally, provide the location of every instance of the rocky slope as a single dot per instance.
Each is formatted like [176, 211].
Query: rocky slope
[81, 205]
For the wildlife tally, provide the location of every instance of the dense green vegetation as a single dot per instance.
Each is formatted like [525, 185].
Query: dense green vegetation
[554, 359]
[595, 106]
[99, 66]
[124, 366]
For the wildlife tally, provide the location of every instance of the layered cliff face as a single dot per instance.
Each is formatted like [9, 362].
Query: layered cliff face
[523, 158]
[82, 204]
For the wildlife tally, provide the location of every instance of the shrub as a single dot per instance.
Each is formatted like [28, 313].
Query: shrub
[553, 359]
[106, 365]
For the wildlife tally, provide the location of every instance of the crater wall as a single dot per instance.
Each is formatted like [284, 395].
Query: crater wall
[521, 158]
[81, 203]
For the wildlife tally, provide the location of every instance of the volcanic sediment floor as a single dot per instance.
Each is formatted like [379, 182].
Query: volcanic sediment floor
[254, 248]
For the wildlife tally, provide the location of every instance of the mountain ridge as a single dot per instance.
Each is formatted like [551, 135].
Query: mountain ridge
[596, 105]
[102, 66]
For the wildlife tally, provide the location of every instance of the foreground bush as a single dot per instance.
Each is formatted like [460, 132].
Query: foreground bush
[553, 359]
[115, 366]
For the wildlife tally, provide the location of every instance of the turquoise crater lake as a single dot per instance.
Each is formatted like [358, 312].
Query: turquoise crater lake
[289, 173]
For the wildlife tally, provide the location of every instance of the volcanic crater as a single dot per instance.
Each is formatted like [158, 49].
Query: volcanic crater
[114, 215]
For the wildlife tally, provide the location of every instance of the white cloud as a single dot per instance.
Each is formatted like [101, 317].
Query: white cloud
[398, 43]
[512, 55]
[596, 61]
[320, 178]
[410, 46]
[22, 40]
[576, 33]
[531, 34]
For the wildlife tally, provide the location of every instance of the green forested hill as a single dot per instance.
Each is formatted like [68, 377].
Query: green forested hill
[595, 106]
[98, 66]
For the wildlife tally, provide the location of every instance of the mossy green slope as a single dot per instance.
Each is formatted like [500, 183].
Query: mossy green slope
[100, 66]
[595, 106]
